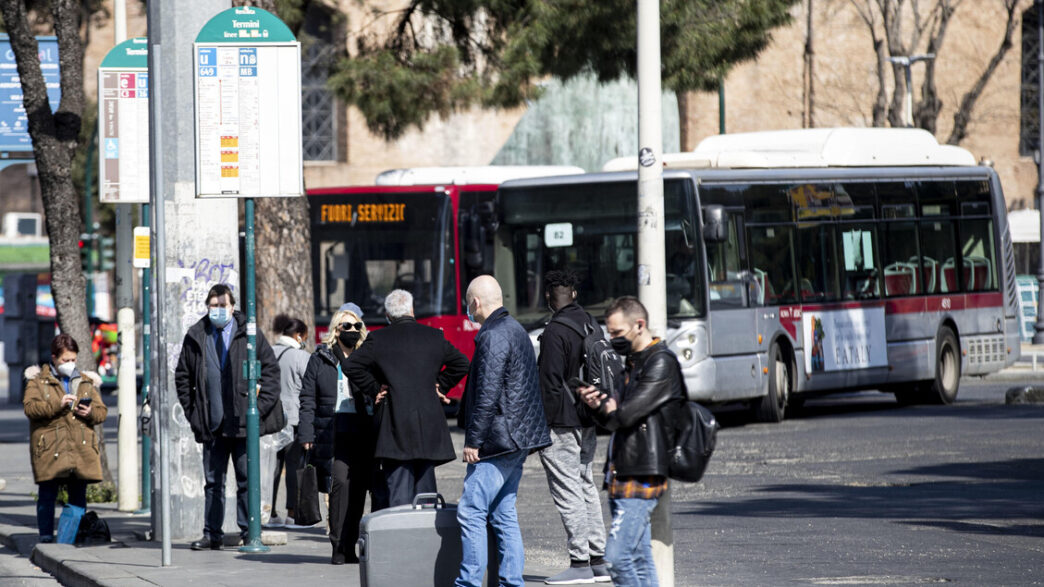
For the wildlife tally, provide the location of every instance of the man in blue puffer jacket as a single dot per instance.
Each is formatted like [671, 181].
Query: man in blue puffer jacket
[503, 419]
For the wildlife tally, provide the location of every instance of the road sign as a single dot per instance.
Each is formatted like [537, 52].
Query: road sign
[142, 259]
[14, 123]
[123, 123]
[248, 106]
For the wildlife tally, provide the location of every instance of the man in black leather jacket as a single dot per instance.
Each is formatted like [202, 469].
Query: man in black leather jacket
[503, 422]
[640, 419]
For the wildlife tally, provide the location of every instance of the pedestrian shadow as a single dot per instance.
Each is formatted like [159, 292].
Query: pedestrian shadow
[1001, 497]
[287, 558]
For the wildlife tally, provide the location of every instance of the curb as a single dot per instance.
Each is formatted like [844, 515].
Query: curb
[77, 567]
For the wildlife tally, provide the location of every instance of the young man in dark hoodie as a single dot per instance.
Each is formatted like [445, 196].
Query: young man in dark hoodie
[568, 461]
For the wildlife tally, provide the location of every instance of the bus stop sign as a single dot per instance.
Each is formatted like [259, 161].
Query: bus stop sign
[123, 123]
[247, 107]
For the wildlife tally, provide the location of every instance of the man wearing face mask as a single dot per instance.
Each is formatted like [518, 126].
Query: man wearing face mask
[653, 393]
[212, 389]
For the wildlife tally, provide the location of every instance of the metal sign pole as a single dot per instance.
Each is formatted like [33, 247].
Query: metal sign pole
[157, 199]
[146, 373]
[253, 420]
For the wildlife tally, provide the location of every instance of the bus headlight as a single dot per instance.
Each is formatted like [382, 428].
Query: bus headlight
[687, 353]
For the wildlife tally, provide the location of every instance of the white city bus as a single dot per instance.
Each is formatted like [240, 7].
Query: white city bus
[798, 262]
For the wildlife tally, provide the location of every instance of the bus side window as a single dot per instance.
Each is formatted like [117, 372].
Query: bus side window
[772, 262]
[939, 252]
[859, 262]
[817, 264]
[977, 252]
[899, 258]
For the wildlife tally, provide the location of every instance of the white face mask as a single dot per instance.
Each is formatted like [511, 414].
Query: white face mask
[66, 369]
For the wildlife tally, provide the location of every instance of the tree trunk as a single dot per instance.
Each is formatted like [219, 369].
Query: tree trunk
[54, 137]
[881, 98]
[809, 118]
[284, 261]
[962, 117]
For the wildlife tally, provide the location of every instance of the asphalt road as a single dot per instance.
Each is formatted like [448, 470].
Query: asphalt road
[854, 491]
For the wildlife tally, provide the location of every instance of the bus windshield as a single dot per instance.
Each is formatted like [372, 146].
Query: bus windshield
[367, 244]
[592, 230]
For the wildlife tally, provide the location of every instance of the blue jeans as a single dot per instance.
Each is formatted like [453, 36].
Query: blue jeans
[490, 487]
[77, 489]
[629, 548]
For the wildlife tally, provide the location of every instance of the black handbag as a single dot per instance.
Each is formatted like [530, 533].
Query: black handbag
[695, 435]
[307, 511]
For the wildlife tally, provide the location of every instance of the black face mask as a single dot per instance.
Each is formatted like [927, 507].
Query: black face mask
[349, 338]
[621, 345]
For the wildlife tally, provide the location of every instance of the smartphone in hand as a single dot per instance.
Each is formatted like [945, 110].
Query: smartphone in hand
[85, 401]
[577, 383]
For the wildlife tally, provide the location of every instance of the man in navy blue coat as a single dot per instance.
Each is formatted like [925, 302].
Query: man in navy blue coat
[504, 421]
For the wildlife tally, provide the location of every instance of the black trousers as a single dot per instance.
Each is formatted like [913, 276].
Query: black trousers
[351, 478]
[405, 479]
[215, 463]
[291, 455]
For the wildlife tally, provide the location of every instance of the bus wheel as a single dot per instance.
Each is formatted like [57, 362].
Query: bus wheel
[943, 389]
[773, 405]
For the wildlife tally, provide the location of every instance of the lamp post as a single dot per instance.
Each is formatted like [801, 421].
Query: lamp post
[1038, 336]
[906, 62]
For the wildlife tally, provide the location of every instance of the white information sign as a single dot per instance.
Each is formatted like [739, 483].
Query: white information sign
[123, 124]
[558, 234]
[248, 108]
[838, 340]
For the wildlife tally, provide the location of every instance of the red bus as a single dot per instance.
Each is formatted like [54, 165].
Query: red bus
[426, 230]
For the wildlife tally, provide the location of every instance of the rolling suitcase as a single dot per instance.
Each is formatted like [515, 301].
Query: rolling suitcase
[412, 545]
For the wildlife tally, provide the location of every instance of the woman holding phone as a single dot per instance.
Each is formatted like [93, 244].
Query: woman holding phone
[63, 406]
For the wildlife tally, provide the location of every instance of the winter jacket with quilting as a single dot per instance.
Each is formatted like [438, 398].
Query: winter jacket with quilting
[503, 409]
[643, 420]
[62, 445]
[190, 379]
[319, 402]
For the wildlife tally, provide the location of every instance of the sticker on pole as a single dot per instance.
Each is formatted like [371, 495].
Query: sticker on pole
[646, 157]
[247, 107]
[142, 259]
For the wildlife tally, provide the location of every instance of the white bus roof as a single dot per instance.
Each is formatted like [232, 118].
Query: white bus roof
[488, 174]
[817, 147]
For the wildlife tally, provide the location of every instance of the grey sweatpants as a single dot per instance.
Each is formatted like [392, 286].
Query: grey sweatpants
[568, 464]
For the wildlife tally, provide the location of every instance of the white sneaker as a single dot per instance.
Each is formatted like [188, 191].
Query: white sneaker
[277, 522]
[291, 524]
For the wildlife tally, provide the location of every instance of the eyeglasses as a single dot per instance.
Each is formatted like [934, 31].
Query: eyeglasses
[350, 325]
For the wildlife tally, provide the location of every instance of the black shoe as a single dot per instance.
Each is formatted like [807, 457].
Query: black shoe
[351, 559]
[337, 558]
[206, 543]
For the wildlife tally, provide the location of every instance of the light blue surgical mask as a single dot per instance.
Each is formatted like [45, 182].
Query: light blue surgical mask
[220, 316]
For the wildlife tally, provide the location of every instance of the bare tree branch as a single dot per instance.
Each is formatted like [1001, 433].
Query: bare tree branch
[962, 117]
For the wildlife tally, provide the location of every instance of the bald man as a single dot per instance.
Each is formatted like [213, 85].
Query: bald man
[503, 419]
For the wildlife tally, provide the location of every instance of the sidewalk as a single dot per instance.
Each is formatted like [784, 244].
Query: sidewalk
[129, 560]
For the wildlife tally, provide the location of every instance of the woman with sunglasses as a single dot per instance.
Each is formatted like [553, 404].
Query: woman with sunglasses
[336, 429]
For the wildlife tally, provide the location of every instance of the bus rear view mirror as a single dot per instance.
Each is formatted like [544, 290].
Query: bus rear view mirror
[714, 224]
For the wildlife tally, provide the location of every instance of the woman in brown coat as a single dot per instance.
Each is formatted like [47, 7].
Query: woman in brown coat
[63, 407]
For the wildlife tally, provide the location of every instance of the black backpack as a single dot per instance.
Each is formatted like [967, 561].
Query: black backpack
[600, 365]
[92, 530]
[695, 435]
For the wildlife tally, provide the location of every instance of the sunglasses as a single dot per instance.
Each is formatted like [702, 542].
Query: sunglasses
[350, 325]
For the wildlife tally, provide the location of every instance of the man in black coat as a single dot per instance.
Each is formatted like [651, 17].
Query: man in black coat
[417, 366]
[503, 421]
[568, 462]
[213, 392]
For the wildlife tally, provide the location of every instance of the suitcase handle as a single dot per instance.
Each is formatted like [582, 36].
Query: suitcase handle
[429, 500]
[361, 547]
